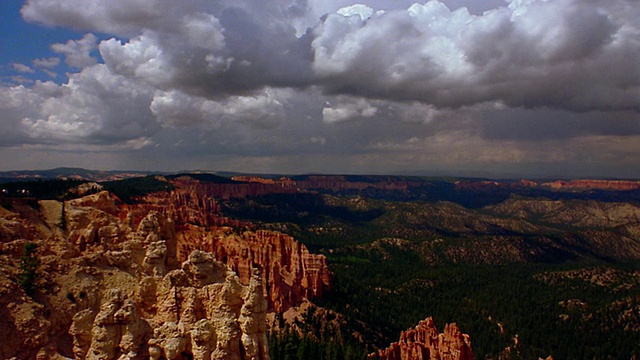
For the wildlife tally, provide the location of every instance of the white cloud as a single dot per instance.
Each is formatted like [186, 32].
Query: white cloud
[348, 109]
[46, 63]
[204, 31]
[553, 54]
[120, 17]
[94, 106]
[78, 52]
[361, 10]
[178, 109]
[23, 68]
[416, 112]
[141, 58]
[51, 74]
[564, 54]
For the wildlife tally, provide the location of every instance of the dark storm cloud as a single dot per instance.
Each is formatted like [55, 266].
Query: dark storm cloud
[545, 124]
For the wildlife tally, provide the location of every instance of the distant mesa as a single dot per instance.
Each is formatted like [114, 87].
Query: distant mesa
[617, 185]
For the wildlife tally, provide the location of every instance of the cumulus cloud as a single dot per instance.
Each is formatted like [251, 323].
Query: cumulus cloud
[78, 52]
[95, 106]
[275, 76]
[559, 54]
[140, 58]
[120, 17]
[360, 10]
[176, 108]
[348, 109]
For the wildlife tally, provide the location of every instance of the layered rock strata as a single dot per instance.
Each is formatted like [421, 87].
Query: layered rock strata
[200, 311]
[114, 288]
[191, 219]
[425, 343]
[291, 273]
[617, 185]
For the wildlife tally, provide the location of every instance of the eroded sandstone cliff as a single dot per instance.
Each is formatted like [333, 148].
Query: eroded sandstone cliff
[108, 287]
[194, 221]
[425, 343]
[582, 184]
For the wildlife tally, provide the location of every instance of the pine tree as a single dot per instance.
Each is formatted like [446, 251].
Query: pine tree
[29, 264]
[63, 218]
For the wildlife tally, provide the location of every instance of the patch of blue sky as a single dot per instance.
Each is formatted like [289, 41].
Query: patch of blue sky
[23, 45]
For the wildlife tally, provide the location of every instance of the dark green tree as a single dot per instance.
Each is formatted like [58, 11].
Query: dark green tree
[29, 264]
[63, 218]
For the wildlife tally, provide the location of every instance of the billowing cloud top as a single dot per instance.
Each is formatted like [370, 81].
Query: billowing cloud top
[249, 67]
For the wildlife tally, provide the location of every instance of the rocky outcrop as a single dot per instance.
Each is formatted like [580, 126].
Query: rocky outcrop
[282, 182]
[167, 277]
[289, 271]
[24, 328]
[199, 311]
[585, 184]
[338, 182]
[255, 185]
[113, 288]
[425, 343]
[193, 221]
[117, 331]
[234, 190]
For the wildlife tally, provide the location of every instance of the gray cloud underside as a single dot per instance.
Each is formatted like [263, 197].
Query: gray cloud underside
[235, 77]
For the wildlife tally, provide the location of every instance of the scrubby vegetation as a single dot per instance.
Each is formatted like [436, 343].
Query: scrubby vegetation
[129, 190]
[506, 281]
[205, 177]
[29, 263]
[54, 189]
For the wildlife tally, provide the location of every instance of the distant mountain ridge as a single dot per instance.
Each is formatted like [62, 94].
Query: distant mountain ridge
[71, 173]
[107, 175]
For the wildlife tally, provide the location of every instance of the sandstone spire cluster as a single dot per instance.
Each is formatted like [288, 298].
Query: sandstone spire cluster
[425, 343]
[112, 286]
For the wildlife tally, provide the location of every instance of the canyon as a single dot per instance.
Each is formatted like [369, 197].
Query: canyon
[202, 266]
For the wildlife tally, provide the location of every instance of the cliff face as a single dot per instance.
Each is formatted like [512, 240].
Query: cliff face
[144, 252]
[252, 187]
[290, 272]
[618, 185]
[200, 311]
[324, 182]
[108, 288]
[425, 343]
[336, 183]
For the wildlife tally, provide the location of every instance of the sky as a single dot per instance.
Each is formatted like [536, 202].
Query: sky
[497, 88]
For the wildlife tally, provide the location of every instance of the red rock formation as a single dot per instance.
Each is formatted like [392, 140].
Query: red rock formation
[480, 185]
[282, 182]
[619, 185]
[327, 182]
[336, 182]
[239, 190]
[527, 183]
[290, 273]
[491, 185]
[424, 343]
